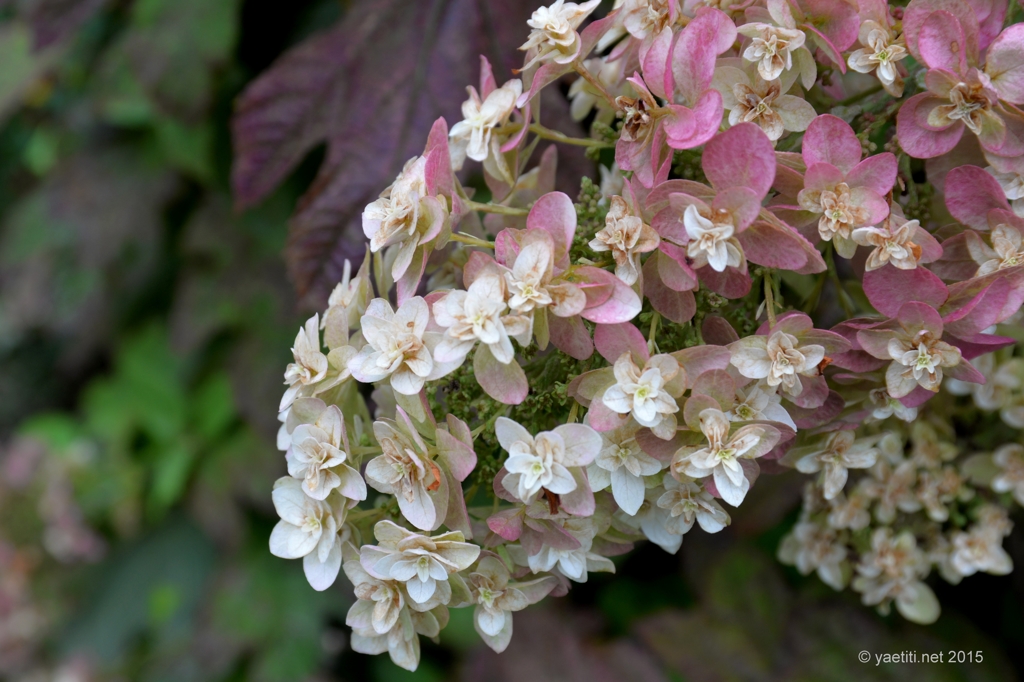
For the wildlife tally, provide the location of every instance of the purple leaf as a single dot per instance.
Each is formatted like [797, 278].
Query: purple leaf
[612, 340]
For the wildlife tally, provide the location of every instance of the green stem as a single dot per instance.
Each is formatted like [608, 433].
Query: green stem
[596, 84]
[548, 134]
[492, 208]
[844, 298]
[471, 241]
[769, 297]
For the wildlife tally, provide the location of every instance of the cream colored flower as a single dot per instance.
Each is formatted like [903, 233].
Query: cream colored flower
[347, 304]
[712, 241]
[382, 619]
[309, 366]
[838, 212]
[759, 402]
[626, 236]
[405, 470]
[649, 394]
[779, 359]
[553, 36]
[890, 246]
[1006, 251]
[622, 465]
[421, 563]
[473, 135]
[880, 53]
[1009, 458]
[812, 547]
[687, 501]
[584, 97]
[308, 530]
[917, 362]
[405, 216]
[892, 571]
[544, 461]
[317, 457]
[762, 102]
[395, 346]
[721, 456]
[981, 547]
[834, 456]
[771, 48]
[573, 563]
[477, 315]
[496, 599]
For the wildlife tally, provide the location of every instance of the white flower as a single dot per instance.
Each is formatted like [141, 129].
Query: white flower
[853, 512]
[584, 96]
[686, 501]
[496, 599]
[622, 465]
[890, 247]
[814, 547]
[382, 619]
[626, 236]
[1006, 251]
[531, 283]
[308, 530]
[918, 361]
[404, 215]
[649, 393]
[477, 315]
[1012, 182]
[833, 457]
[317, 457]
[892, 571]
[346, 304]
[778, 359]
[310, 365]
[721, 457]
[755, 100]
[1009, 458]
[553, 36]
[395, 346]
[472, 136]
[879, 54]
[423, 564]
[711, 242]
[574, 564]
[758, 404]
[885, 406]
[405, 470]
[771, 48]
[543, 461]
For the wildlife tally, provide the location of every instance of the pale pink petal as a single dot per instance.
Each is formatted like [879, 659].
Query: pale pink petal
[1004, 64]
[918, 140]
[504, 383]
[741, 157]
[693, 55]
[554, 213]
[612, 340]
[876, 172]
[941, 42]
[971, 193]
[830, 139]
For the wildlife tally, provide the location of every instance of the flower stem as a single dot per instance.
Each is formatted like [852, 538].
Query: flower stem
[548, 134]
[471, 241]
[596, 84]
[652, 345]
[492, 208]
[769, 297]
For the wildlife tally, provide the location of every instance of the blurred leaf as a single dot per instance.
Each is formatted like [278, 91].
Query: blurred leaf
[54, 20]
[213, 406]
[174, 557]
[170, 472]
[187, 147]
[173, 47]
[370, 87]
[21, 67]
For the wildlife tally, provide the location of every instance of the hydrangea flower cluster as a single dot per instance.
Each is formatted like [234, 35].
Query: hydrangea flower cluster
[514, 388]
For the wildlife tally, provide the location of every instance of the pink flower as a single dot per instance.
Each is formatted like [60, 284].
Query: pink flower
[682, 75]
[844, 191]
[913, 341]
[710, 232]
[963, 92]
